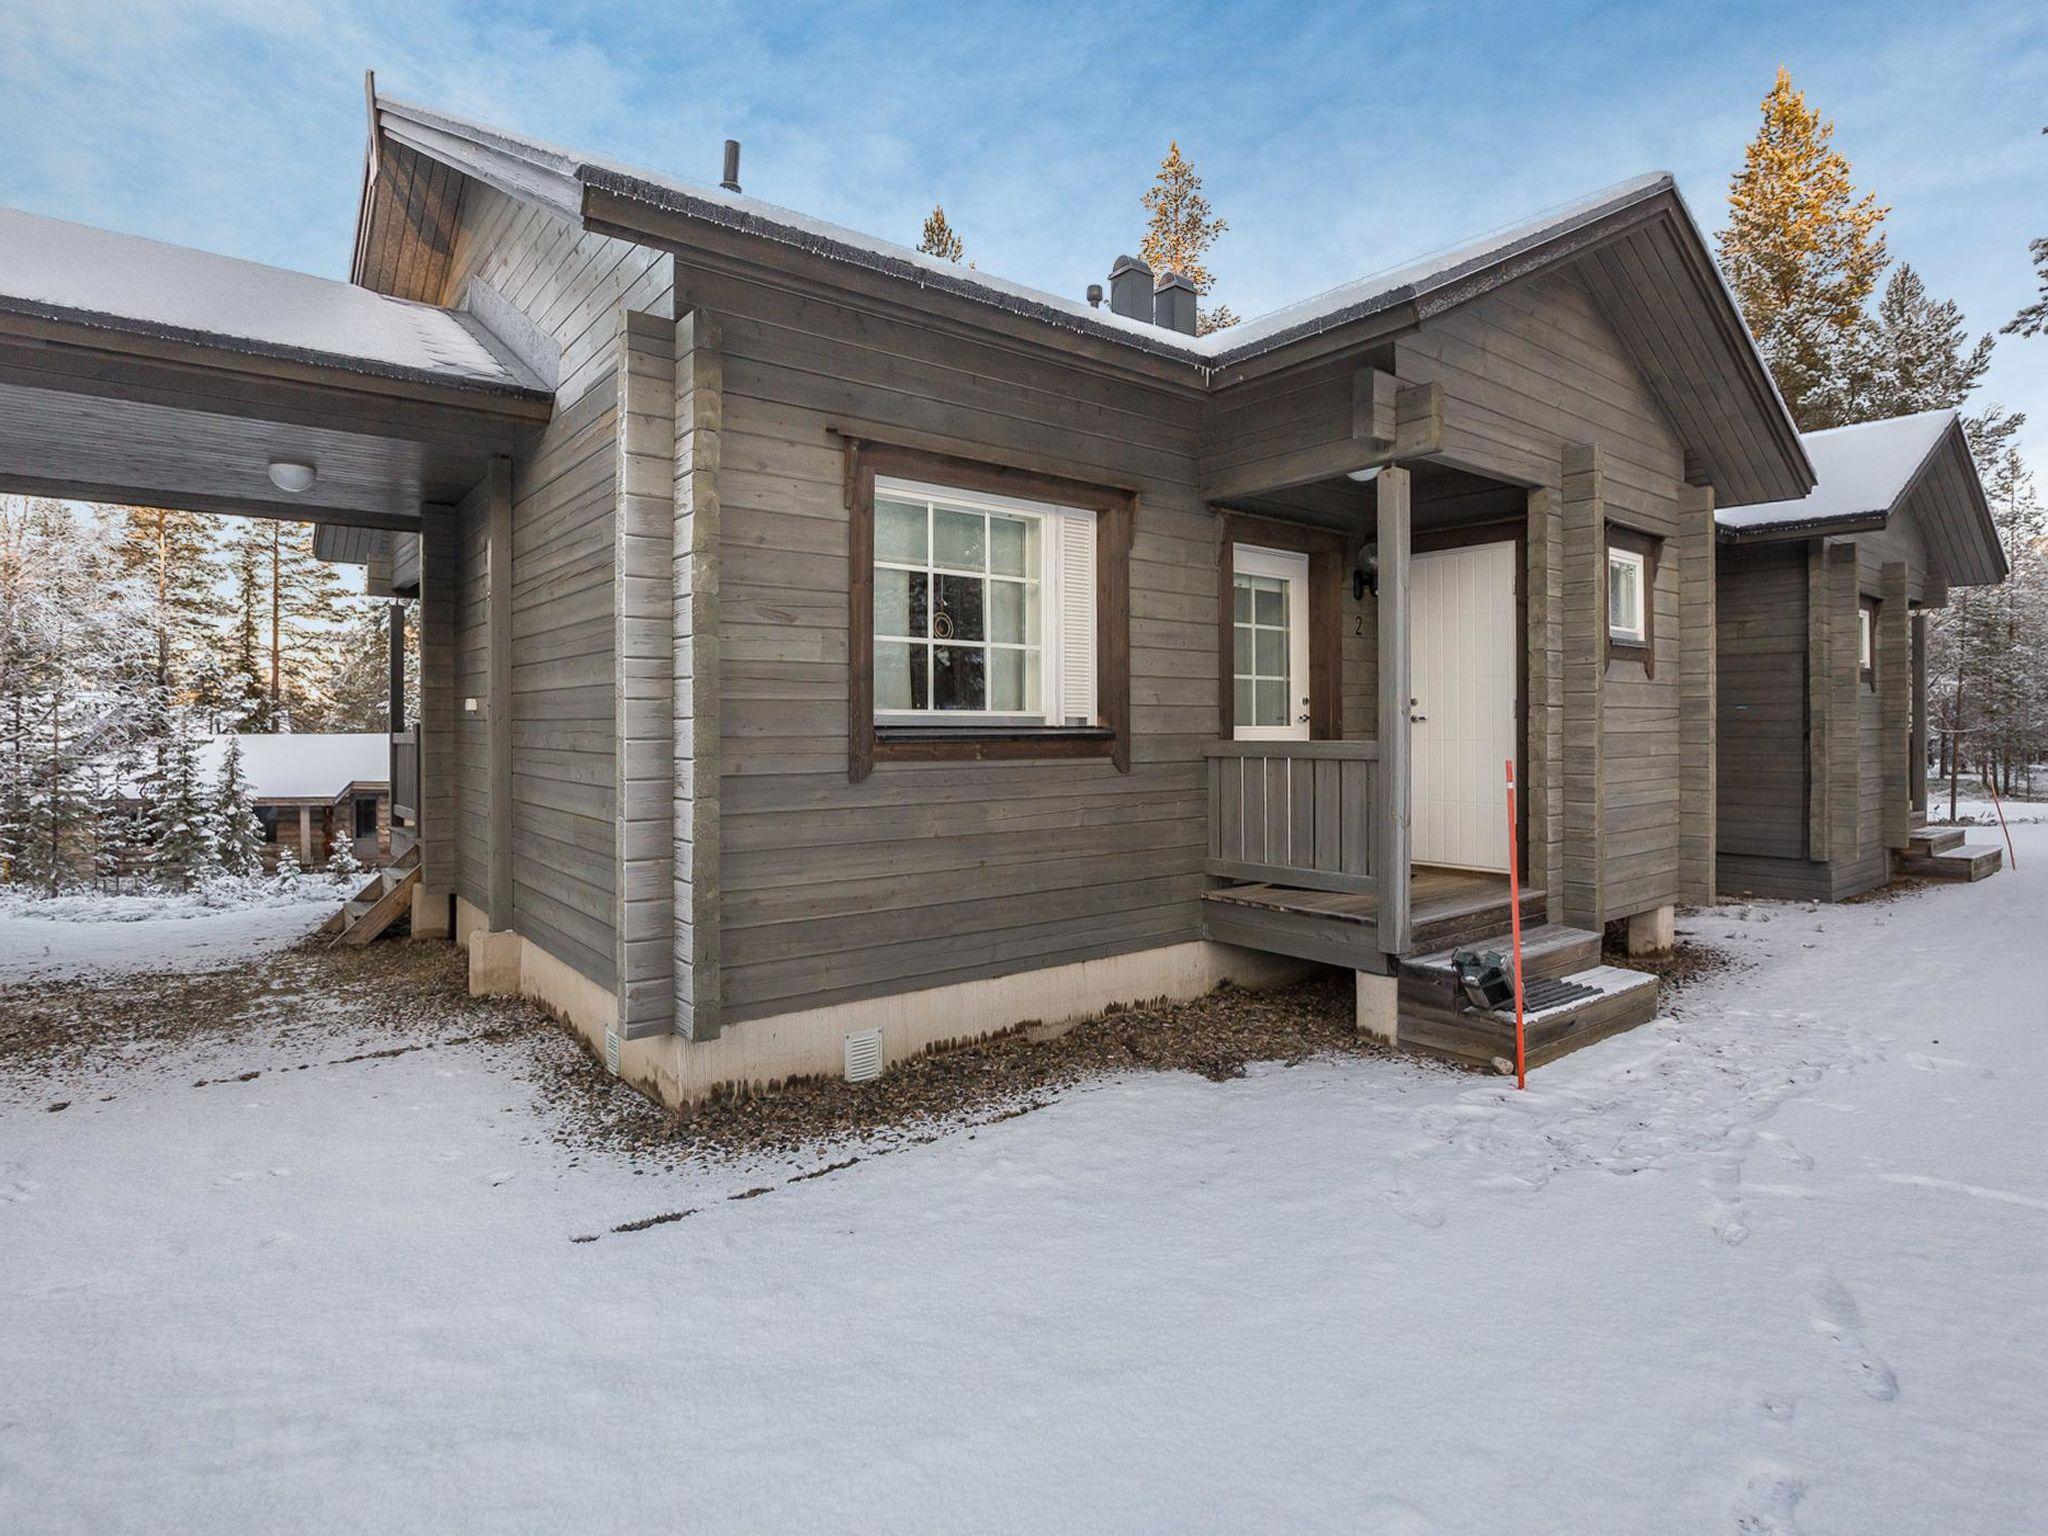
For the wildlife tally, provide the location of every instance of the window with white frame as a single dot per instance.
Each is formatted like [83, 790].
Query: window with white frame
[1627, 596]
[1866, 650]
[984, 608]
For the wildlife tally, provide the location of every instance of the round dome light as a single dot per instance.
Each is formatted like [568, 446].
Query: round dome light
[287, 475]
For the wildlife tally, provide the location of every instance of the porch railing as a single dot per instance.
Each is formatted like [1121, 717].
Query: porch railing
[1297, 813]
[405, 775]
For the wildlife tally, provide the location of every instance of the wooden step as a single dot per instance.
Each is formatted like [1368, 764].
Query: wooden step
[387, 909]
[1971, 861]
[1549, 949]
[1440, 1024]
[1930, 840]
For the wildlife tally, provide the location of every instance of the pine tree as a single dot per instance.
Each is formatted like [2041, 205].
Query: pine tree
[358, 684]
[175, 555]
[238, 835]
[306, 604]
[287, 868]
[342, 862]
[241, 643]
[939, 239]
[1180, 228]
[183, 843]
[1802, 253]
[1918, 355]
[2033, 320]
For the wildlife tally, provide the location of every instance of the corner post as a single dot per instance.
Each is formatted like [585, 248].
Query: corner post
[1844, 717]
[1543, 791]
[498, 723]
[1390, 841]
[1917, 782]
[1892, 649]
[699, 426]
[1698, 681]
[440, 597]
[1584, 501]
[643, 530]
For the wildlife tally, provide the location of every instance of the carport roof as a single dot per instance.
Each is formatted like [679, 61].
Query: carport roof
[51, 269]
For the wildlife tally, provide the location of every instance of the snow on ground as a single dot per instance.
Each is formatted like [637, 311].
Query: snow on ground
[1772, 1264]
[67, 936]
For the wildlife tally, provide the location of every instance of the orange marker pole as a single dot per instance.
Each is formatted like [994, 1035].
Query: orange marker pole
[1515, 911]
[2011, 857]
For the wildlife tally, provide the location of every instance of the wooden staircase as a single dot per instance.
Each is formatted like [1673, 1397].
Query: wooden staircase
[384, 898]
[1939, 853]
[1435, 1018]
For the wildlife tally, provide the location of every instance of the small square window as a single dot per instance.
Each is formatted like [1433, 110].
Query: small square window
[1627, 597]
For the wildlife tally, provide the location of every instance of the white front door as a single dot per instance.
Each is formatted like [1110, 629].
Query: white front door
[1269, 644]
[1462, 651]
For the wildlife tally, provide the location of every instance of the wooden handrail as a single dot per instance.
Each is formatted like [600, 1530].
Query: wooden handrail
[1346, 751]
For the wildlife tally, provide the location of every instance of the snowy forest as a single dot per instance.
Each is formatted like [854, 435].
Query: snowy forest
[127, 636]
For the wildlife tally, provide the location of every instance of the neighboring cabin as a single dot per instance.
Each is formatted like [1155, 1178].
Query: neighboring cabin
[312, 791]
[1823, 716]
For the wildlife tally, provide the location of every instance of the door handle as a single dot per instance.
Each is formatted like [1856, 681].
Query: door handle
[1418, 719]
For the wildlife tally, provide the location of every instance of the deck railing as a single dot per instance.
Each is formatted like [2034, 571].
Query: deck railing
[405, 775]
[1295, 813]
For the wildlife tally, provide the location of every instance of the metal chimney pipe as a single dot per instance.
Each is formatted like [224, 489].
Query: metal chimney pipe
[731, 183]
[1095, 295]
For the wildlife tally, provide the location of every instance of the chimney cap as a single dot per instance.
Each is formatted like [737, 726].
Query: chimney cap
[1125, 264]
[1172, 279]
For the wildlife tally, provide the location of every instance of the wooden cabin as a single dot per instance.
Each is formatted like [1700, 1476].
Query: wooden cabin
[1823, 603]
[829, 652]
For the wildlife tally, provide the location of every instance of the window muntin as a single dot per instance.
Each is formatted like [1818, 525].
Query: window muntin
[1261, 643]
[967, 605]
[1627, 596]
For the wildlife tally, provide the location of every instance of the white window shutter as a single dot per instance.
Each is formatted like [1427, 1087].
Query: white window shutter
[1077, 617]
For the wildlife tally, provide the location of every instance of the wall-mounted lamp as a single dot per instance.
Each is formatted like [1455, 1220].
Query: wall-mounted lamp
[1365, 576]
[289, 475]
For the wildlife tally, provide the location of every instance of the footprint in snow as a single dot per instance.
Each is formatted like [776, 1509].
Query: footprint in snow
[1420, 1209]
[1842, 1320]
[1924, 1063]
[1767, 1502]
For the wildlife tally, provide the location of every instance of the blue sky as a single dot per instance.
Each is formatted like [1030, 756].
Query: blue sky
[1336, 139]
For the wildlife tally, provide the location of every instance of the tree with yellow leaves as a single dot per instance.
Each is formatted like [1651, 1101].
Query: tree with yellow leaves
[939, 238]
[1182, 228]
[1803, 253]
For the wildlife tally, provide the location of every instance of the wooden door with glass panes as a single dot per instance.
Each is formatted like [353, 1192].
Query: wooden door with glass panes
[1269, 644]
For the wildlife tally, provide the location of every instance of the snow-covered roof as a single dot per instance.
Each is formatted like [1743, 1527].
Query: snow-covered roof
[315, 766]
[57, 270]
[535, 170]
[1862, 473]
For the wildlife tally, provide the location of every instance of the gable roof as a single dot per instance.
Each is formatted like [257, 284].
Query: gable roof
[51, 269]
[1870, 473]
[1653, 275]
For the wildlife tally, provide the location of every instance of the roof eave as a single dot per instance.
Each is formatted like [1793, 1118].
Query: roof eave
[1804, 528]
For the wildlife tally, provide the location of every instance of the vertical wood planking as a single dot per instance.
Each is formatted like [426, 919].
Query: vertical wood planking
[643, 647]
[1844, 719]
[699, 755]
[499, 718]
[1698, 682]
[1390, 841]
[1583, 503]
[440, 577]
[1544, 708]
[1819, 692]
[1918, 785]
[1894, 648]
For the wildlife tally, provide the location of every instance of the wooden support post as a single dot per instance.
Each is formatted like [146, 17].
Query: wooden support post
[305, 837]
[498, 721]
[1918, 780]
[396, 677]
[1893, 647]
[1819, 685]
[643, 524]
[1390, 823]
[1584, 502]
[440, 599]
[1697, 685]
[699, 421]
[1542, 775]
[1844, 718]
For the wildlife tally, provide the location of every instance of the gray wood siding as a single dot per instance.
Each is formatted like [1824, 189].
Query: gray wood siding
[1762, 712]
[928, 874]
[1528, 373]
[472, 763]
[569, 286]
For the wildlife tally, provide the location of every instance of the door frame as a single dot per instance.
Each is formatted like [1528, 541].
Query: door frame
[1503, 531]
[1329, 551]
[1292, 569]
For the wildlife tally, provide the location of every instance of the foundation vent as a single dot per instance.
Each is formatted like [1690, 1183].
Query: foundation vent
[611, 1051]
[864, 1056]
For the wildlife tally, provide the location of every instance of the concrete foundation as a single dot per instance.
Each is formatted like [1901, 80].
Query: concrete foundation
[760, 1053]
[1378, 1010]
[1653, 932]
[429, 913]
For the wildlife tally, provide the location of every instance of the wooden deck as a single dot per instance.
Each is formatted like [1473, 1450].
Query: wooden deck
[1447, 908]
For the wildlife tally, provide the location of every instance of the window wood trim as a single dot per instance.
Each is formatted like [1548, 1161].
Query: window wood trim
[1115, 511]
[1326, 549]
[1867, 670]
[1644, 650]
